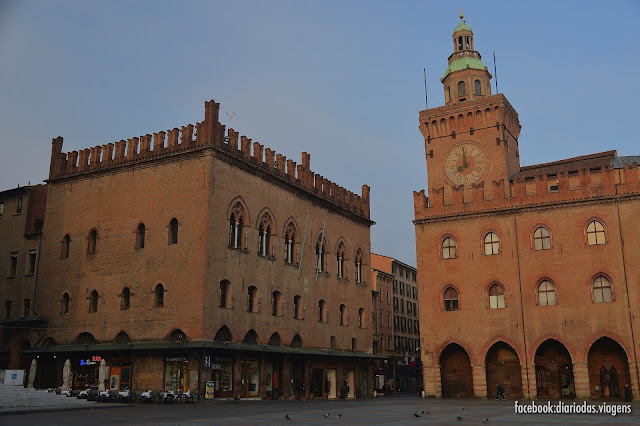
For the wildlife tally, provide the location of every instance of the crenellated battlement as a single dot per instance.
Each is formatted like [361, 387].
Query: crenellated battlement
[534, 186]
[208, 133]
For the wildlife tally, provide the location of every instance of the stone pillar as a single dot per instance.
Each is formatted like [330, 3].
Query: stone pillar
[237, 371]
[531, 391]
[581, 380]
[634, 366]
[339, 377]
[285, 380]
[262, 386]
[306, 378]
[430, 381]
[479, 373]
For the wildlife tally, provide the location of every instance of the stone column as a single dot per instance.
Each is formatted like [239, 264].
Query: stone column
[531, 391]
[237, 371]
[430, 381]
[634, 366]
[285, 380]
[581, 380]
[262, 386]
[479, 373]
[307, 379]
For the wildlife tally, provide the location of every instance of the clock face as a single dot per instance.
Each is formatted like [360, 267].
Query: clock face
[465, 164]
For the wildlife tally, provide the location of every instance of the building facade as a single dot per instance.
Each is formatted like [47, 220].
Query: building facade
[404, 345]
[203, 258]
[531, 272]
[22, 212]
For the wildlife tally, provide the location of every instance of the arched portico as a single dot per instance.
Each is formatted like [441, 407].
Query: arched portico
[608, 368]
[503, 367]
[554, 371]
[456, 374]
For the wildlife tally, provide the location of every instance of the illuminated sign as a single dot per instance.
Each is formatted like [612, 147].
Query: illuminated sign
[91, 361]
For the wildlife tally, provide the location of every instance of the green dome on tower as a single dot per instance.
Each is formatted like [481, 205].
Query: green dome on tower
[462, 26]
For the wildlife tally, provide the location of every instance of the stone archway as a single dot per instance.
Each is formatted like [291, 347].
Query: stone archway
[608, 369]
[503, 366]
[455, 372]
[554, 371]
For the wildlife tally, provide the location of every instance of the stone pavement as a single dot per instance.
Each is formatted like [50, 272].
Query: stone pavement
[397, 409]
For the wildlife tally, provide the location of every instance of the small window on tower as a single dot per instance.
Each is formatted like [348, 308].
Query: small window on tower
[476, 87]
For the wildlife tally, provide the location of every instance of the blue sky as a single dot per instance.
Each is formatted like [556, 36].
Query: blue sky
[341, 80]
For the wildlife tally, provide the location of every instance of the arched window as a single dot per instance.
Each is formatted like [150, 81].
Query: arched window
[449, 248]
[361, 323]
[274, 340]
[85, 339]
[125, 299]
[496, 297]
[64, 308]
[296, 342]
[297, 307]
[122, 337]
[93, 302]
[491, 244]
[66, 240]
[252, 299]
[223, 335]
[225, 294]
[595, 233]
[602, 290]
[451, 302]
[541, 239]
[343, 314]
[251, 338]
[140, 234]
[358, 266]
[321, 250]
[290, 239]
[264, 235]
[340, 257]
[462, 89]
[91, 242]
[236, 222]
[546, 293]
[476, 87]
[177, 335]
[159, 296]
[173, 231]
[322, 311]
[276, 303]
[448, 93]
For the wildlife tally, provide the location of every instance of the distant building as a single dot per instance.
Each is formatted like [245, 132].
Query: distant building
[202, 257]
[404, 365]
[530, 274]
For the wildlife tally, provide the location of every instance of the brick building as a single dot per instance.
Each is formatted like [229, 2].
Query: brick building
[399, 306]
[533, 272]
[22, 213]
[201, 258]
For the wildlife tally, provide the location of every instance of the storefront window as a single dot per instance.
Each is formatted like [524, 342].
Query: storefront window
[222, 375]
[176, 374]
[249, 379]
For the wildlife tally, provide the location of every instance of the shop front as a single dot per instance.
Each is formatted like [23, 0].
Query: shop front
[176, 373]
[222, 376]
[249, 378]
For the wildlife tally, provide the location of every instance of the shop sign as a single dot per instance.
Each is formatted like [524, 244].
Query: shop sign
[176, 359]
[216, 367]
[222, 359]
[91, 361]
[207, 361]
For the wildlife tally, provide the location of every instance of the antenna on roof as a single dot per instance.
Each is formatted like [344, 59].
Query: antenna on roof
[426, 99]
[495, 71]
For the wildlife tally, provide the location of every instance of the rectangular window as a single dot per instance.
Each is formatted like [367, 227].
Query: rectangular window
[7, 309]
[31, 262]
[401, 307]
[413, 276]
[332, 343]
[1, 209]
[13, 264]
[389, 320]
[19, 206]
[415, 310]
[387, 297]
[408, 307]
[353, 344]
[27, 307]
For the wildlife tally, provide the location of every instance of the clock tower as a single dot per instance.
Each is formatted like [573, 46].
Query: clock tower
[472, 140]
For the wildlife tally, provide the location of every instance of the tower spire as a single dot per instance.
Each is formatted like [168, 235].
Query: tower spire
[466, 77]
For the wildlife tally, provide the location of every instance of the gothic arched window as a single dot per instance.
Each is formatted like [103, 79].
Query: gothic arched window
[236, 222]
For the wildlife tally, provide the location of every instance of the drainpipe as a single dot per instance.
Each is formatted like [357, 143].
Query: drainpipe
[524, 334]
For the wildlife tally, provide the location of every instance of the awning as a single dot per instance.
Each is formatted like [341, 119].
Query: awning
[192, 345]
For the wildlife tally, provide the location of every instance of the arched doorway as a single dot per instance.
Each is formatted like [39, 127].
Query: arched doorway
[608, 369]
[503, 366]
[554, 371]
[455, 372]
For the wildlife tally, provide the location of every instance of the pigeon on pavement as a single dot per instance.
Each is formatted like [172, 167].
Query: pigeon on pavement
[339, 415]
[287, 417]
[459, 418]
[486, 420]
[416, 414]
[325, 415]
